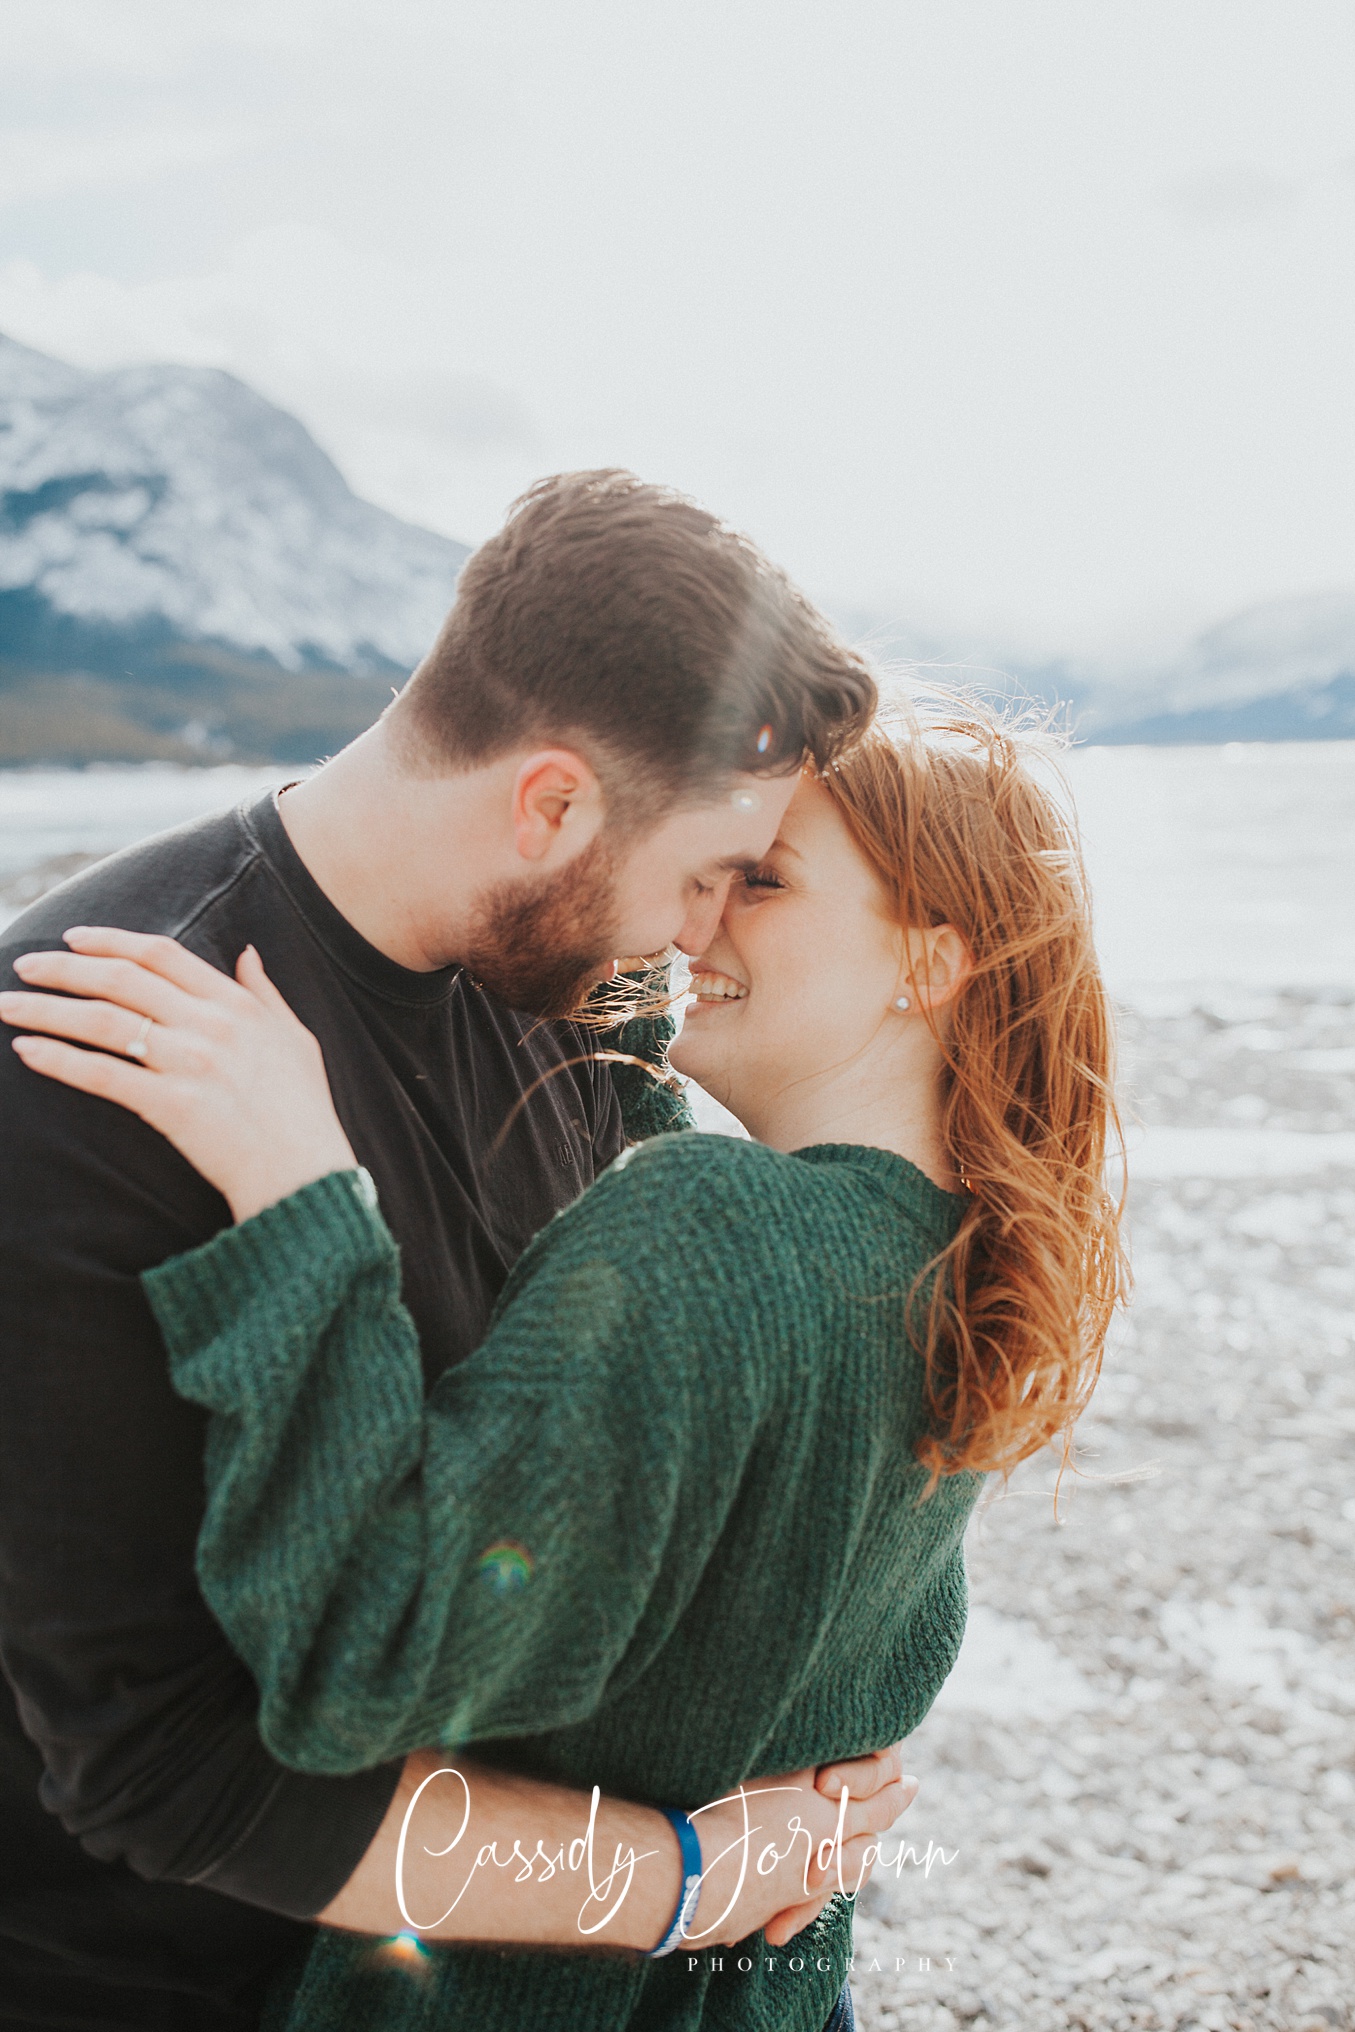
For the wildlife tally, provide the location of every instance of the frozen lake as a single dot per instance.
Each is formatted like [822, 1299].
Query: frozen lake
[47, 812]
[1212, 867]
[1221, 866]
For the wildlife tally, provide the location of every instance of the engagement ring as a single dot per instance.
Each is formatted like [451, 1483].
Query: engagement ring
[138, 1046]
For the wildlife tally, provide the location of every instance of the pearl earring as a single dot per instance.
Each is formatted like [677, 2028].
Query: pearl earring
[903, 1003]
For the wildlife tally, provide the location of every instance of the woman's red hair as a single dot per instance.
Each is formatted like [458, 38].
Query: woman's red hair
[960, 832]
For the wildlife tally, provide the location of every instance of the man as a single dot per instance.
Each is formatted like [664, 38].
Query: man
[607, 730]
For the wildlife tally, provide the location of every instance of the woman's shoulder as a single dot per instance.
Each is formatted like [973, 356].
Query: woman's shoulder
[724, 1173]
[713, 1208]
[674, 1193]
[679, 1231]
[707, 1166]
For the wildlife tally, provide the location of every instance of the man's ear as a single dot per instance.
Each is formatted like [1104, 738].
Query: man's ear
[557, 805]
[936, 966]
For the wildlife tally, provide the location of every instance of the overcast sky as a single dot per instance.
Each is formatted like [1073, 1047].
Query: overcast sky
[1032, 319]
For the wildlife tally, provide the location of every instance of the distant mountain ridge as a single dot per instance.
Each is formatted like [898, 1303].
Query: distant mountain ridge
[1283, 671]
[184, 557]
[185, 573]
[175, 498]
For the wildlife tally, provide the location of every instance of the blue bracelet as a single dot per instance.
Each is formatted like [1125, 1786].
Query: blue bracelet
[690, 1845]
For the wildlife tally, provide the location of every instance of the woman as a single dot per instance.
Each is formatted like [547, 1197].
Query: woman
[696, 1505]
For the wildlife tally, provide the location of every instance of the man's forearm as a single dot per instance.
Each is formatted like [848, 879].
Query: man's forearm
[445, 1882]
[467, 1852]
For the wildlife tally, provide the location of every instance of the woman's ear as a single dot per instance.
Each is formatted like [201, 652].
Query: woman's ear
[936, 966]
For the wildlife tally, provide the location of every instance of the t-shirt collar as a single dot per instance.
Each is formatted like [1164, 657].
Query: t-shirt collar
[345, 945]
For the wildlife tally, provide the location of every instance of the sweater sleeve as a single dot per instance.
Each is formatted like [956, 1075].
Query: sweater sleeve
[396, 1573]
[653, 1103]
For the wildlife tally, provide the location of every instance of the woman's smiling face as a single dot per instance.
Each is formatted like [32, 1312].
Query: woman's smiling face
[802, 972]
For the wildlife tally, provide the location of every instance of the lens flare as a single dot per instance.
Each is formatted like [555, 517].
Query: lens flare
[403, 1951]
[507, 1566]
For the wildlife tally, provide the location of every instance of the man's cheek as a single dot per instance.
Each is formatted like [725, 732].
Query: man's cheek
[653, 934]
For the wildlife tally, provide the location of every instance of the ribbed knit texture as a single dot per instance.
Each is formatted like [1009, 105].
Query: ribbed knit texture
[695, 1416]
[650, 1105]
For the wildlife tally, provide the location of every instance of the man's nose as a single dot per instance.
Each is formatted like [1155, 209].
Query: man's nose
[703, 920]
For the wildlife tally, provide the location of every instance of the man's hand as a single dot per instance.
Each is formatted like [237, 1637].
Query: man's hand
[808, 1846]
[870, 1779]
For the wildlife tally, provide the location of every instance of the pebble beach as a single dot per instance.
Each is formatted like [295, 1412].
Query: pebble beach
[1138, 1789]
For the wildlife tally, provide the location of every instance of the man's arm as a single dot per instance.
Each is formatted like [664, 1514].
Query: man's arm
[423, 1859]
[144, 1717]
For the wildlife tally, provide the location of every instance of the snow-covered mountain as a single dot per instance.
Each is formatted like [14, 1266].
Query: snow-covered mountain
[184, 572]
[1283, 671]
[172, 505]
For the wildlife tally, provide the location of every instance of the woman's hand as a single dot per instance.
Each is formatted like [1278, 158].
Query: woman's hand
[219, 1066]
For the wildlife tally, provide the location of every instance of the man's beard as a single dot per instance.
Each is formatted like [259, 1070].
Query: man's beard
[542, 949]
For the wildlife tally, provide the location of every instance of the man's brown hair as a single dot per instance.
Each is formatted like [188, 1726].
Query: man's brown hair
[622, 617]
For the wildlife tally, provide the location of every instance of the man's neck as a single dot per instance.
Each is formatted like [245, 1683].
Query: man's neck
[393, 852]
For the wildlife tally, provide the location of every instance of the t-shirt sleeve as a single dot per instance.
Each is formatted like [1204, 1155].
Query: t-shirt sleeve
[115, 1668]
[397, 1573]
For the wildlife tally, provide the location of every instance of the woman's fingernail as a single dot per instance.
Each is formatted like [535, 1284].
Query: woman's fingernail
[24, 963]
[75, 931]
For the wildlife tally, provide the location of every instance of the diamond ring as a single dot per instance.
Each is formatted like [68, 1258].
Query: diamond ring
[139, 1045]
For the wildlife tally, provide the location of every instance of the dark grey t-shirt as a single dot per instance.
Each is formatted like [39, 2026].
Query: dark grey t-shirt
[125, 1712]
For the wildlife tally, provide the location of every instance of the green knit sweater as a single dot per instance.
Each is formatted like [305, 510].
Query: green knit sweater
[662, 1532]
